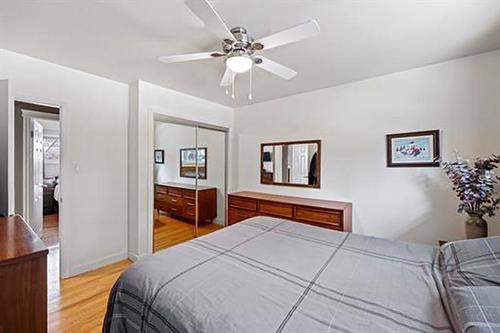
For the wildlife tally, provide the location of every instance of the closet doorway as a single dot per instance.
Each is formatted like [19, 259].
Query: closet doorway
[190, 172]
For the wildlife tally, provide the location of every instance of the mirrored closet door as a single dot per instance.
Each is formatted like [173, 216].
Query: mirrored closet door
[189, 182]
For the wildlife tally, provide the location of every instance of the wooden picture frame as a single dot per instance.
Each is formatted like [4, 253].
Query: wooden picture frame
[413, 149]
[268, 178]
[159, 156]
[187, 165]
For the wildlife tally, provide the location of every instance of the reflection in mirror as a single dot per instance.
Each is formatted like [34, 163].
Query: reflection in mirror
[291, 163]
[188, 163]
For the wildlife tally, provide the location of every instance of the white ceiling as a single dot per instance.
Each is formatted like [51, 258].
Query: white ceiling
[122, 40]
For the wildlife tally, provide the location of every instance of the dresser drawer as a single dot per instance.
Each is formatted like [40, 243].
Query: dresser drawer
[189, 212]
[189, 203]
[237, 215]
[161, 205]
[190, 194]
[160, 189]
[160, 196]
[175, 192]
[243, 203]
[276, 209]
[173, 200]
[176, 210]
[189, 208]
[328, 218]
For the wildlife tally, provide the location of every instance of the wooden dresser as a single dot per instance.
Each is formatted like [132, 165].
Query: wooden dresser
[323, 213]
[23, 278]
[179, 200]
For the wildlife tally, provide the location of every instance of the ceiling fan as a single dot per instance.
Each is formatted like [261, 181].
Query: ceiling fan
[239, 49]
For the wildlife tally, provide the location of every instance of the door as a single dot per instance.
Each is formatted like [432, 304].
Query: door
[300, 168]
[36, 211]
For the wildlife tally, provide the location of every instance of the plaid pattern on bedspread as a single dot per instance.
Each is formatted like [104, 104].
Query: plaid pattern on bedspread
[272, 275]
[471, 275]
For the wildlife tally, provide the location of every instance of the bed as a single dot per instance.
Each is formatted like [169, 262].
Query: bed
[274, 275]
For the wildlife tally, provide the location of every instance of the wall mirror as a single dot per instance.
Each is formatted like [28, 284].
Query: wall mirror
[188, 163]
[296, 163]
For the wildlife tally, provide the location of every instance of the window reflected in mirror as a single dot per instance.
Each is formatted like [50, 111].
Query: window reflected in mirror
[291, 163]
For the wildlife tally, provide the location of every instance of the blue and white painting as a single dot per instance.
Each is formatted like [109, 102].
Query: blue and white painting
[412, 149]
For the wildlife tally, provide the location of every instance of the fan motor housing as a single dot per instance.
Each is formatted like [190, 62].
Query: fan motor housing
[241, 44]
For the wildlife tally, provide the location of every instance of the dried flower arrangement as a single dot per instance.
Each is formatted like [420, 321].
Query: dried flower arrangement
[474, 183]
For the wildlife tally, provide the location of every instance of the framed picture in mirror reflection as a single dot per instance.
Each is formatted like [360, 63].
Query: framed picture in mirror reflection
[188, 163]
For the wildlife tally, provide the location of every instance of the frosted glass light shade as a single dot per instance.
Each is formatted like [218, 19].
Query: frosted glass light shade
[239, 64]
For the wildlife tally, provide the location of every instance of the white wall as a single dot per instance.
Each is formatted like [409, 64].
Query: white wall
[94, 155]
[148, 101]
[4, 147]
[460, 97]
[172, 137]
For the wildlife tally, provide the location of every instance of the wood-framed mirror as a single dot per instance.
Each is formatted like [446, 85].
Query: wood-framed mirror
[187, 163]
[293, 163]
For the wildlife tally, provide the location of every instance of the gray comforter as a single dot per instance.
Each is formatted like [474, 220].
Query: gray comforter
[470, 272]
[273, 275]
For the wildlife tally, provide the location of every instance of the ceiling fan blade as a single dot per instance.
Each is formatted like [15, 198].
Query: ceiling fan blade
[299, 32]
[206, 12]
[190, 57]
[226, 78]
[275, 68]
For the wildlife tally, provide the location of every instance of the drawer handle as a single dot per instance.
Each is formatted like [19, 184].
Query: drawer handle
[189, 204]
[174, 209]
[239, 207]
[173, 200]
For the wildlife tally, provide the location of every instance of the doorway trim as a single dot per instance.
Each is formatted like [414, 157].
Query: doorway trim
[27, 193]
[36, 106]
[155, 116]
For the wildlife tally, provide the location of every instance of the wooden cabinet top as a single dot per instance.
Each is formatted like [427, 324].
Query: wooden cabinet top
[185, 186]
[299, 201]
[18, 241]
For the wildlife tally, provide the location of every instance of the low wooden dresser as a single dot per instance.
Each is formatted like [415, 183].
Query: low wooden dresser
[323, 213]
[179, 200]
[23, 278]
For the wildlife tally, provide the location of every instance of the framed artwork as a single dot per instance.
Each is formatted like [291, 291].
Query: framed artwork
[159, 156]
[413, 149]
[188, 163]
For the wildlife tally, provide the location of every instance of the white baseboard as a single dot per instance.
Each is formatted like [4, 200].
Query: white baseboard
[133, 256]
[218, 221]
[97, 264]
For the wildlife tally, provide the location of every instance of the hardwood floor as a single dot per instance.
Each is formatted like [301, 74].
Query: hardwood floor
[169, 231]
[50, 230]
[78, 304]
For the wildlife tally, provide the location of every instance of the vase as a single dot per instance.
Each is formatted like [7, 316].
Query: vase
[476, 227]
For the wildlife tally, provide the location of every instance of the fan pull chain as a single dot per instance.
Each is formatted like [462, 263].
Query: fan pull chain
[232, 85]
[250, 89]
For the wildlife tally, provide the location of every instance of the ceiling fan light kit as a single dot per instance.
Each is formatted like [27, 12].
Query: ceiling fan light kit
[239, 49]
[239, 63]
